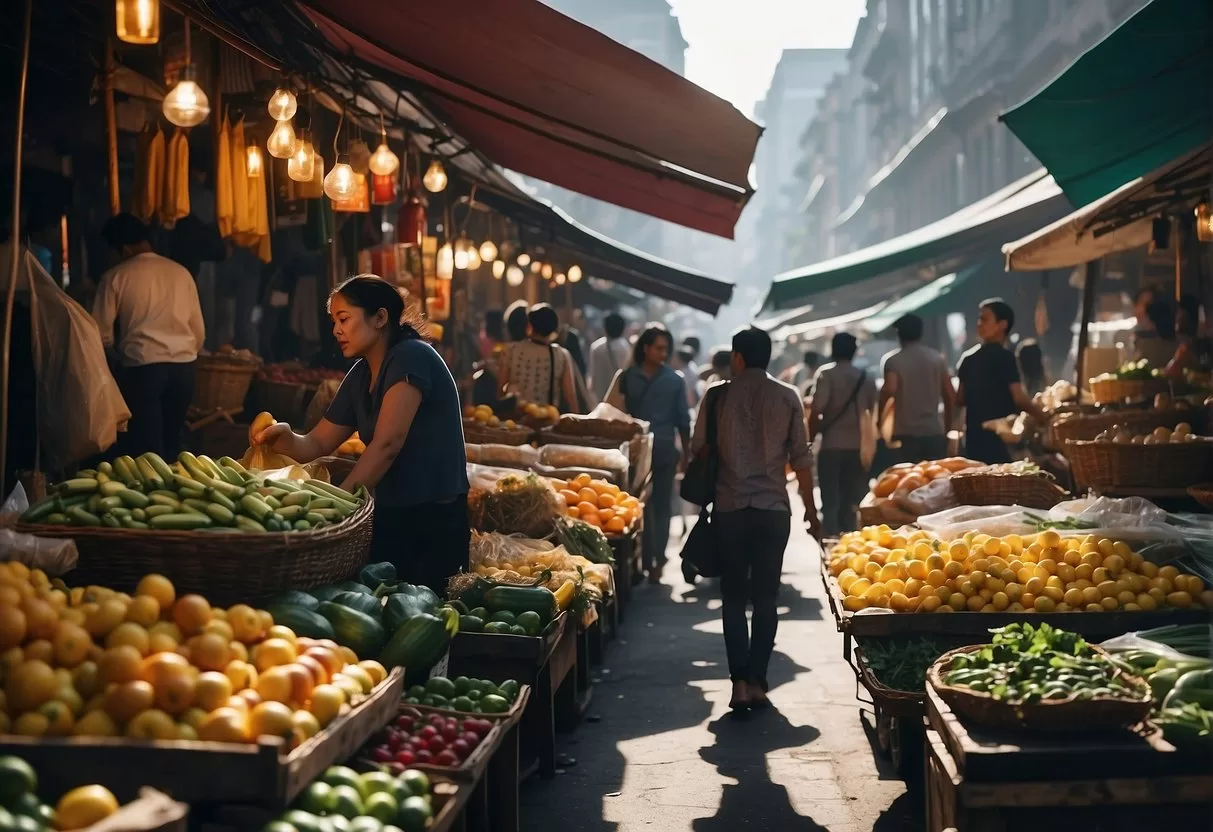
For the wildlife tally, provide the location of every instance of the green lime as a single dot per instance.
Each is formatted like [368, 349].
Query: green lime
[518, 630]
[6, 820]
[29, 805]
[479, 612]
[441, 686]
[279, 826]
[461, 703]
[509, 689]
[381, 806]
[473, 694]
[16, 778]
[377, 781]
[416, 781]
[462, 684]
[416, 691]
[411, 700]
[316, 798]
[435, 701]
[504, 616]
[471, 624]
[347, 801]
[303, 821]
[344, 776]
[494, 704]
[531, 622]
[414, 815]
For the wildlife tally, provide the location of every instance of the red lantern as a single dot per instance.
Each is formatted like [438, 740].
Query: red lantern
[383, 188]
[411, 223]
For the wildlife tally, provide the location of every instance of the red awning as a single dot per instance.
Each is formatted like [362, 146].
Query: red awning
[545, 96]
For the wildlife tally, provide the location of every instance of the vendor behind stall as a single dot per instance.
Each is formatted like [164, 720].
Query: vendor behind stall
[402, 400]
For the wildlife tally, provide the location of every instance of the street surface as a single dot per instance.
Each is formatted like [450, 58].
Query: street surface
[665, 755]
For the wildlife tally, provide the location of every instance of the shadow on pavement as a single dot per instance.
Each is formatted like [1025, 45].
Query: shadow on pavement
[740, 752]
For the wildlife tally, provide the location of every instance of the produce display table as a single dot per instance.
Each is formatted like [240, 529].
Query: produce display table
[984, 781]
[544, 662]
[626, 551]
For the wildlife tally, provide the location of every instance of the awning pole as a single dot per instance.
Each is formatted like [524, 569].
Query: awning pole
[111, 130]
[15, 248]
[1088, 309]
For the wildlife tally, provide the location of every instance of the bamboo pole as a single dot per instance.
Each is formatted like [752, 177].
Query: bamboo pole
[1084, 328]
[14, 247]
[111, 130]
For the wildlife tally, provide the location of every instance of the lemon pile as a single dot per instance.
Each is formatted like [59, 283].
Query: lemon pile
[96, 662]
[912, 571]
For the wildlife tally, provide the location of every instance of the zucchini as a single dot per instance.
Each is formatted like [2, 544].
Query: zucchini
[159, 466]
[254, 507]
[304, 621]
[353, 629]
[220, 514]
[80, 517]
[518, 599]
[112, 488]
[40, 510]
[228, 462]
[147, 473]
[248, 524]
[133, 499]
[297, 498]
[79, 485]
[180, 522]
[420, 642]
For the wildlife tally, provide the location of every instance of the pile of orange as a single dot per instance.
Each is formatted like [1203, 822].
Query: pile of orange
[97, 662]
[599, 503]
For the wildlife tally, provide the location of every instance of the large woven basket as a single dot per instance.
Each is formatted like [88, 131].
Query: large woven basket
[1028, 490]
[1088, 426]
[1069, 715]
[1113, 390]
[1168, 465]
[225, 568]
[288, 401]
[221, 383]
[475, 433]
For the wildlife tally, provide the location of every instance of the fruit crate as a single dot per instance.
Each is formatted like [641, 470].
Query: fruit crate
[471, 768]
[193, 771]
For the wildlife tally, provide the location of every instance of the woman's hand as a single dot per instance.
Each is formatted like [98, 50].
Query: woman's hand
[278, 436]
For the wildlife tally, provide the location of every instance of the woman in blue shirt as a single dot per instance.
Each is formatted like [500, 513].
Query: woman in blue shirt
[650, 390]
[402, 400]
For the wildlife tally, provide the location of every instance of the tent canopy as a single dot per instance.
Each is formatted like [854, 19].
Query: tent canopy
[922, 300]
[1120, 221]
[809, 330]
[944, 245]
[541, 94]
[1134, 101]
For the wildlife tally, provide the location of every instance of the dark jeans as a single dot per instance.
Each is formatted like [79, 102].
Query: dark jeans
[657, 510]
[919, 448]
[751, 562]
[428, 543]
[159, 397]
[843, 483]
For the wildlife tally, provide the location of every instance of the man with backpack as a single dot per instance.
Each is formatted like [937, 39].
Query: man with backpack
[842, 393]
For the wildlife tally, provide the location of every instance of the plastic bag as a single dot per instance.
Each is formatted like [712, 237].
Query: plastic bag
[264, 458]
[577, 456]
[1133, 641]
[70, 363]
[991, 520]
[931, 498]
[54, 556]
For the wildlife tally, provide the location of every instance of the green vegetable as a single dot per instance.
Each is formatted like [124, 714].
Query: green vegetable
[304, 621]
[420, 642]
[580, 538]
[518, 599]
[402, 606]
[1195, 687]
[360, 601]
[901, 664]
[355, 630]
[471, 624]
[374, 574]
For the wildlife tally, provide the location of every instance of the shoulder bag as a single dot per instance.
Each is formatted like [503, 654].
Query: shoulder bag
[701, 550]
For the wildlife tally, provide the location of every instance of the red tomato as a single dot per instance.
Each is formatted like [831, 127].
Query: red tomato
[461, 748]
[424, 757]
[428, 732]
[435, 744]
[446, 758]
[382, 754]
[404, 723]
[406, 757]
[449, 732]
[471, 738]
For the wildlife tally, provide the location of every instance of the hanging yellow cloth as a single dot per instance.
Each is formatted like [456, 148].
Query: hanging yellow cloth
[149, 175]
[223, 180]
[242, 220]
[175, 193]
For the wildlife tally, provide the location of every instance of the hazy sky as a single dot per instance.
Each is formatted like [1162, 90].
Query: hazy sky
[735, 44]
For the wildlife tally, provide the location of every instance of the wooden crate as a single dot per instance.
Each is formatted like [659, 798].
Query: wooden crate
[1124, 780]
[194, 771]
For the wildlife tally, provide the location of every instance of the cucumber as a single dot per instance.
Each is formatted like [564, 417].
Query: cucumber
[293, 598]
[40, 510]
[79, 485]
[162, 500]
[222, 499]
[420, 642]
[228, 462]
[110, 503]
[516, 599]
[297, 498]
[124, 469]
[132, 523]
[164, 492]
[148, 474]
[139, 514]
[302, 526]
[111, 521]
[199, 506]
[134, 499]
[221, 515]
[193, 467]
[112, 488]
[192, 493]
[361, 602]
[304, 621]
[353, 629]
[180, 522]
[159, 466]
[292, 512]
[157, 511]
[255, 507]
[249, 525]
[57, 518]
[105, 468]
[83, 518]
[272, 501]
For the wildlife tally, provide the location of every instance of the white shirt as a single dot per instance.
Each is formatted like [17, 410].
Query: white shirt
[607, 357]
[154, 302]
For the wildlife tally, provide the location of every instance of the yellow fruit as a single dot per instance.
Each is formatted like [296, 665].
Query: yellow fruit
[129, 633]
[191, 613]
[1034, 585]
[84, 806]
[326, 703]
[1148, 569]
[957, 601]
[219, 627]
[1179, 599]
[1044, 603]
[245, 623]
[129, 699]
[107, 615]
[143, 610]
[193, 717]
[854, 603]
[1013, 591]
[929, 603]
[86, 679]
[175, 689]
[282, 632]
[227, 724]
[29, 685]
[305, 724]
[374, 669]
[1028, 600]
[241, 674]
[71, 644]
[212, 690]
[1113, 563]
[272, 719]
[152, 724]
[274, 684]
[95, 724]
[59, 718]
[1073, 597]
[158, 587]
[1146, 602]
[13, 626]
[953, 569]
[210, 651]
[272, 652]
[31, 724]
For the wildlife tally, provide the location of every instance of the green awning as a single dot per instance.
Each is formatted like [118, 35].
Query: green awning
[973, 233]
[1138, 99]
[922, 301]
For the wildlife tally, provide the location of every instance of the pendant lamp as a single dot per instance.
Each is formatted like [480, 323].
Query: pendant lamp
[282, 105]
[435, 178]
[514, 276]
[282, 142]
[138, 21]
[488, 251]
[256, 162]
[340, 183]
[574, 273]
[498, 269]
[301, 167]
[444, 263]
[186, 105]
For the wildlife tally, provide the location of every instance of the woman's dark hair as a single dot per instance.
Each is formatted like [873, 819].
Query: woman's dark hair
[515, 320]
[124, 229]
[543, 320]
[494, 324]
[370, 293]
[1160, 313]
[1032, 364]
[650, 335]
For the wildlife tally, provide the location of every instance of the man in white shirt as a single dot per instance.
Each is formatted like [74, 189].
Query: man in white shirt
[154, 303]
[609, 355]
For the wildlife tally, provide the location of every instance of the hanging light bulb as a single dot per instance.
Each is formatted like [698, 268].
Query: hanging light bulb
[340, 182]
[498, 269]
[1204, 223]
[536, 266]
[282, 142]
[461, 257]
[282, 104]
[435, 177]
[514, 276]
[574, 273]
[546, 271]
[256, 162]
[444, 263]
[383, 161]
[138, 21]
[186, 105]
[524, 259]
[301, 167]
[488, 251]
[560, 278]
[474, 260]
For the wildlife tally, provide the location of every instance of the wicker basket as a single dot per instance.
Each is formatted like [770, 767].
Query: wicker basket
[475, 433]
[1069, 715]
[286, 400]
[221, 383]
[1088, 426]
[1168, 465]
[1202, 494]
[1028, 490]
[225, 568]
[1113, 390]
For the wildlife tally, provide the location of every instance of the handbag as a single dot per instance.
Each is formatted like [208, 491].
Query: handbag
[701, 551]
[699, 481]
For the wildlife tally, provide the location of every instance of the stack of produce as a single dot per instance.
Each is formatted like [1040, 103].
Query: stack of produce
[581, 538]
[195, 493]
[906, 477]
[354, 446]
[910, 571]
[1175, 661]
[906, 491]
[22, 811]
[901, 664]
[469, 696]
[483, 416]
[520, 561]
[500, 609]
[518, 504]
[401, 624]
[97, 662]
[1121, 435]
[599, 503]
[538, 415]
[342, 799]
[412, 739]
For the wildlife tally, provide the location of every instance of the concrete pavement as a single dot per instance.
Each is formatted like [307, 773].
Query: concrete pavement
[664, 754]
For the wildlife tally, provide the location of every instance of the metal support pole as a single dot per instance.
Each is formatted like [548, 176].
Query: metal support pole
[111, 130]
[1084, 326]
[15, 247]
